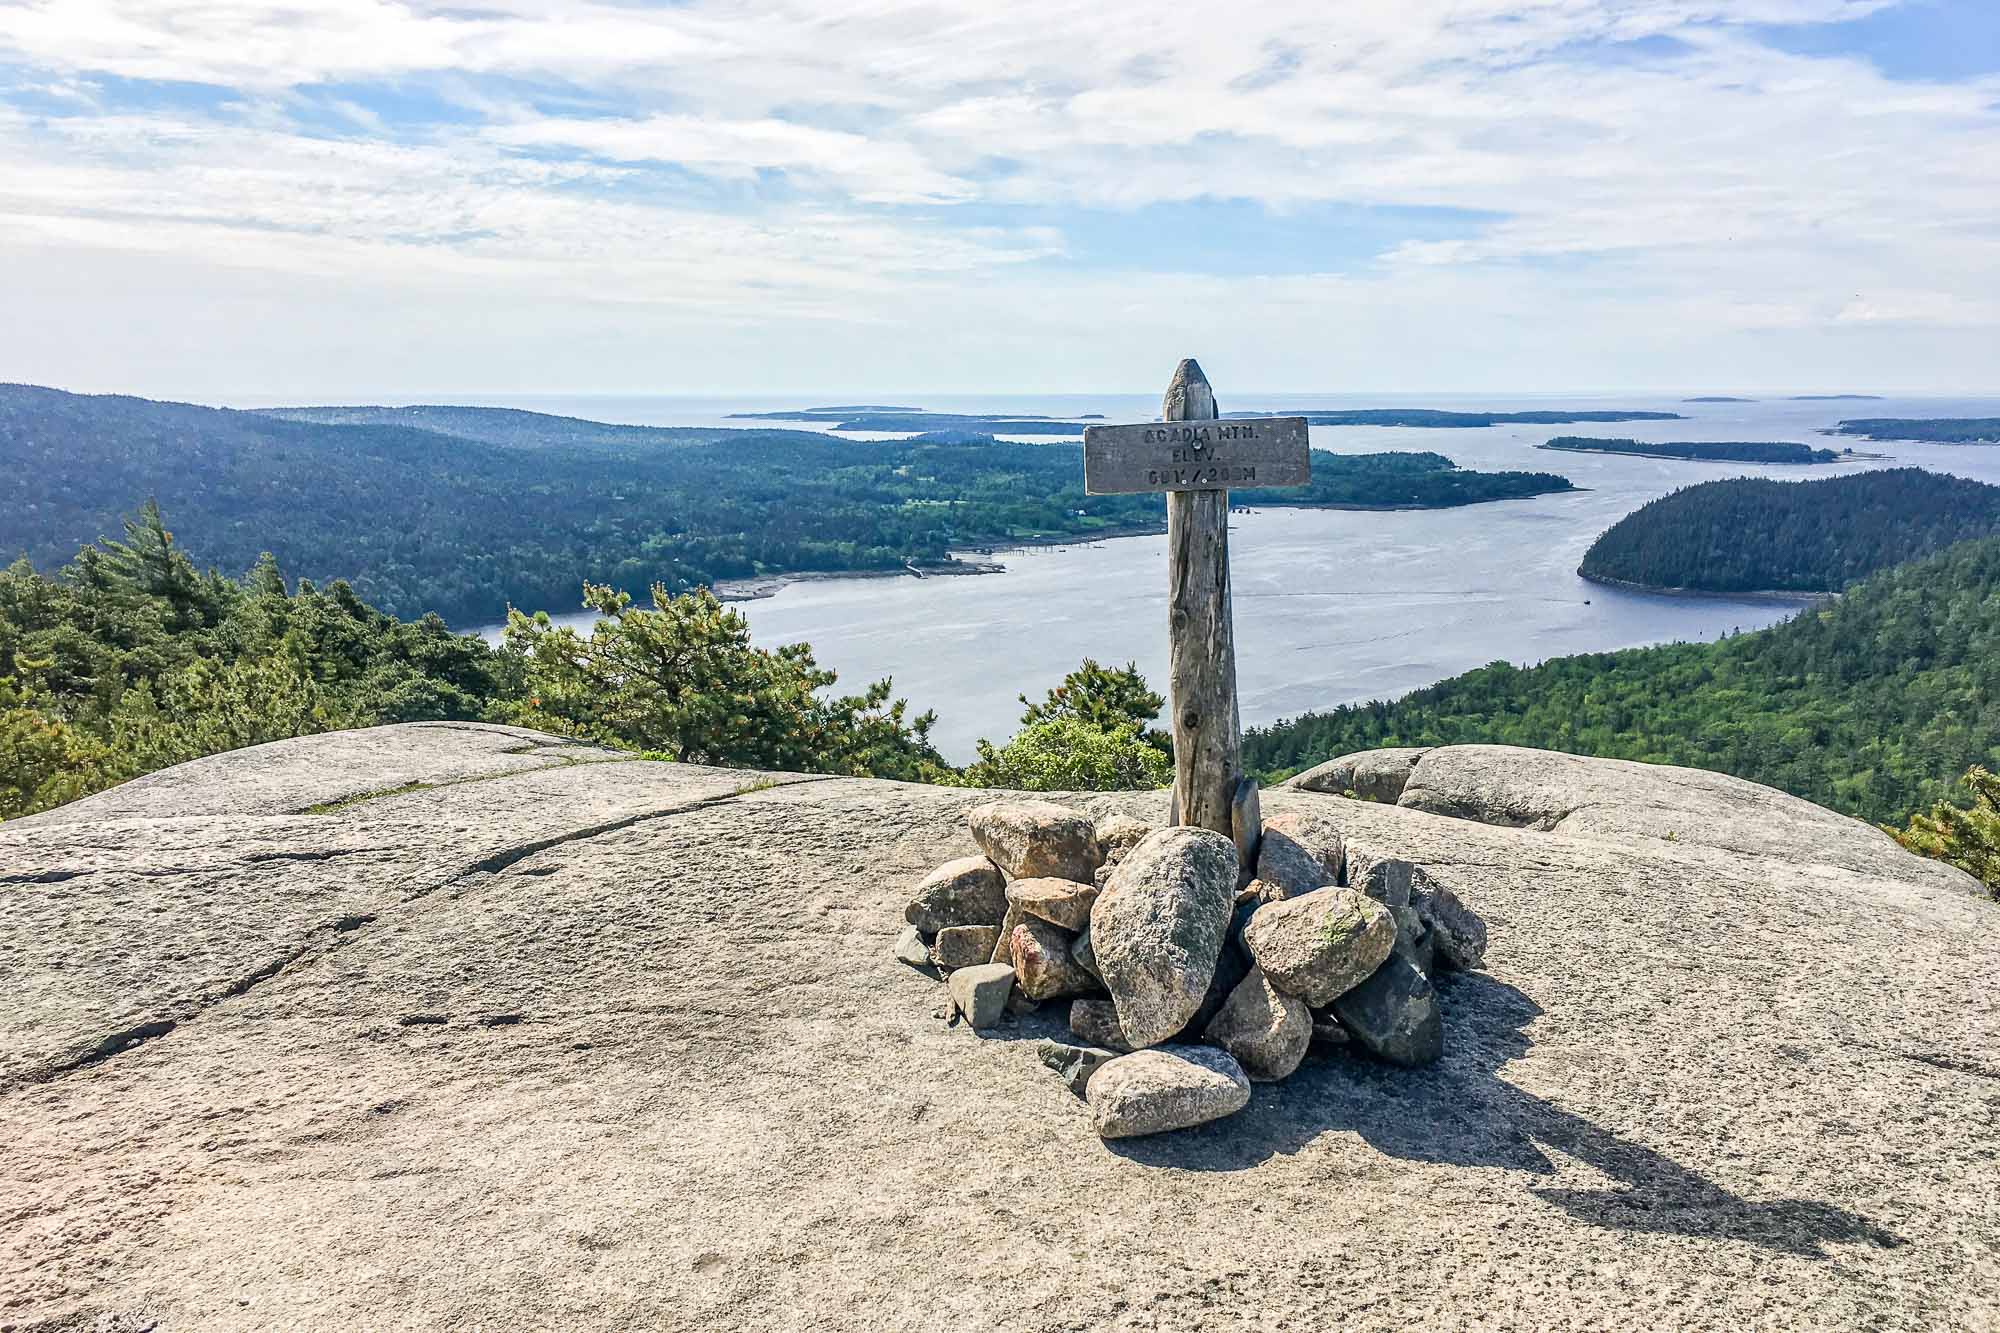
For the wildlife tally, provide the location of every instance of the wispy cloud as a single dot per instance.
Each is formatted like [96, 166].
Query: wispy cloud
[1651, 166]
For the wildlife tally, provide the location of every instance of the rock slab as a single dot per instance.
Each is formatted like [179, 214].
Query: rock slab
[1062, 902]
[980, 993]
[1168, 1088]
[964, 946]
[1075, 1065]
[1455, 931]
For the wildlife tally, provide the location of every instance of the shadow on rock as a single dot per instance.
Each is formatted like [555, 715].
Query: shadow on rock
[1459, 1112]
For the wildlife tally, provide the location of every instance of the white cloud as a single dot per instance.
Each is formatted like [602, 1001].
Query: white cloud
[1725, 187]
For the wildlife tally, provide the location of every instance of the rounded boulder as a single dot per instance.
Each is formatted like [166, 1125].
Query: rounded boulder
[1320, 945]
[1158, 927]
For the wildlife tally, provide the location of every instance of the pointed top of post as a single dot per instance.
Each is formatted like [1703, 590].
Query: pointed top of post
[1189, 397]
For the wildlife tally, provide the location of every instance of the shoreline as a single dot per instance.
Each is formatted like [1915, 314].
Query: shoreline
[1849, 457]
[1779, 595]
[965, 561]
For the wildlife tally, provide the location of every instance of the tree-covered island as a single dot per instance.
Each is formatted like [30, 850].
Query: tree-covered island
[1700, 451]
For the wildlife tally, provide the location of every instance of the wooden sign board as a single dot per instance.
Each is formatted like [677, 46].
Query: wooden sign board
[1196, 455]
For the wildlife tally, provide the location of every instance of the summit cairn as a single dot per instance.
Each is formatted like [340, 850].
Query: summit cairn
[1201, 957]
[1182, 989]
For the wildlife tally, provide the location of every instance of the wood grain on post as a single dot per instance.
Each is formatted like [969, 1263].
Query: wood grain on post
[1201, 643]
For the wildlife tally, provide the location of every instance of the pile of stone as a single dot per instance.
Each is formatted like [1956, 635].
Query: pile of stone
[1188, 975]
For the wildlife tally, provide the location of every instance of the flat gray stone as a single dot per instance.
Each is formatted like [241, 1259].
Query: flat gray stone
[1158, 927]
[1322, 944]
[1385, 878]
[1033, 839]
[1370, 775]
[1413, 938]
[1620, 800]
[1309, 853]
[1395, 1014]
[980, 992]
[1168, 1088]
[1075, 1064]
[911, 949]
[663, 983]
[1263, 1029]
[965, 892]
[1286, 868]
[1455, 932]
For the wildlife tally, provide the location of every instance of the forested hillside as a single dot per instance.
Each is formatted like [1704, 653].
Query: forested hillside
[1750, 534]
[510, 426]
[1873, 705]
[458, 524]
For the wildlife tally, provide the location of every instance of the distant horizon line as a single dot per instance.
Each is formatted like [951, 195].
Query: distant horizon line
[468, 397]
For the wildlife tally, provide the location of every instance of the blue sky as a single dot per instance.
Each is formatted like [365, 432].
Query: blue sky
[356, 197]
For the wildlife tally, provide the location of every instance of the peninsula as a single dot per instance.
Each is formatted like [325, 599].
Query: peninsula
[1927, 430]
[1700, 451]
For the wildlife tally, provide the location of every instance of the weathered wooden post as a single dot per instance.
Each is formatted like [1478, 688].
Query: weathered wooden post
[1195, 457]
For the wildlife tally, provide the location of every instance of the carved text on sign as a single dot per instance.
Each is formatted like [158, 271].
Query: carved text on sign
[1196, 455]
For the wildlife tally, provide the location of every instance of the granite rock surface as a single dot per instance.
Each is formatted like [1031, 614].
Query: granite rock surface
[445, 1026]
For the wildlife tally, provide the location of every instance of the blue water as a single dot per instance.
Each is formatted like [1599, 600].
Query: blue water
[1331, 606]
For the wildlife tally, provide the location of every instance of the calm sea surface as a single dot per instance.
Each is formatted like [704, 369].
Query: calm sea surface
[1332, 606]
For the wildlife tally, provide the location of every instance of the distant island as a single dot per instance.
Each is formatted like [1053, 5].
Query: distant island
[466, 510]
[1717, 398]
[1931, 430]
[1703, 451]
[1435, 419]
[1835, 398]
[882, 421]
[1749, 534]
[886, 420]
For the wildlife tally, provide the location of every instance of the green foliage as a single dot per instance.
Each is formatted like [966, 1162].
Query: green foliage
[1106, 697]
[1967, 836]
[1871, 705]
[1089, 733]
[1750, 534]
[466, 511]
[131, 659]
[209, 706]
[684, 679]
[1068, 754]
[44, 761]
